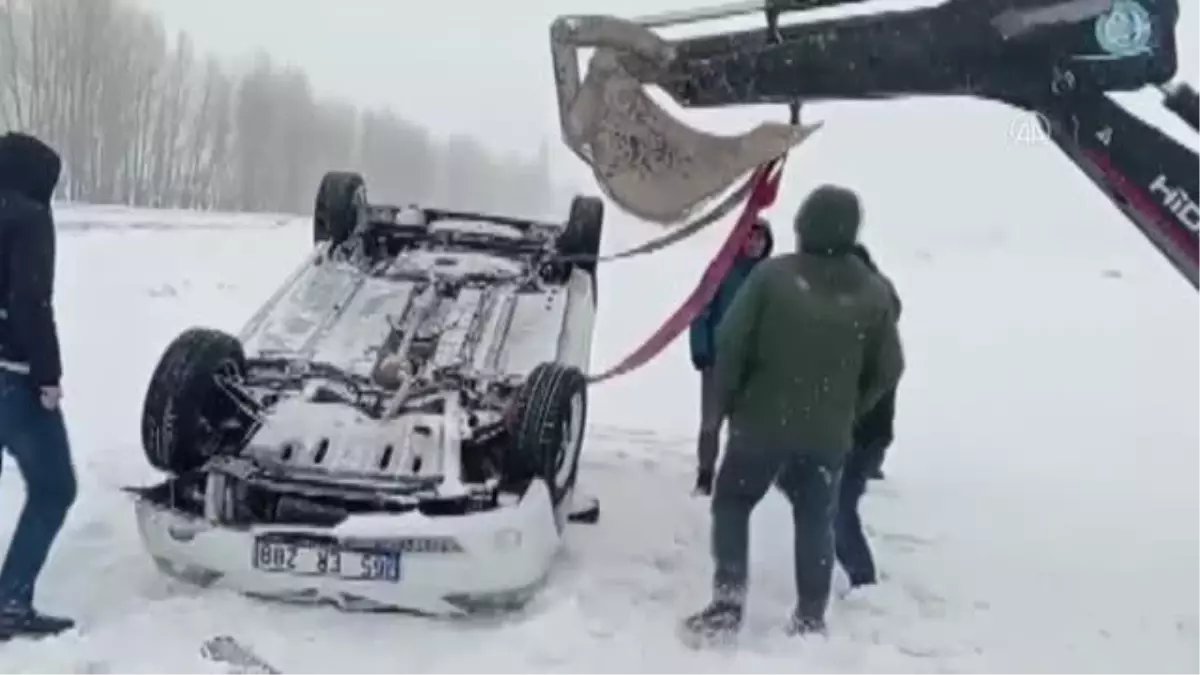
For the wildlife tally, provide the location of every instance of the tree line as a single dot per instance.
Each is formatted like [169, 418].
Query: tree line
[141, 118]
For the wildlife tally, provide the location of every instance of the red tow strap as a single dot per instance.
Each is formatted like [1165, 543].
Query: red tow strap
[765, 182]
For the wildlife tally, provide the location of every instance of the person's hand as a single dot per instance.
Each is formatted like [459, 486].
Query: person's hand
[704, 483]
[50, 397]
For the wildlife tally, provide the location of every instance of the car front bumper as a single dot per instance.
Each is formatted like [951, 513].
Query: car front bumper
[439, 565]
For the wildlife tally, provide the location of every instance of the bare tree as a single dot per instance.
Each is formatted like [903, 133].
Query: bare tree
[13, 20]
[145, 120]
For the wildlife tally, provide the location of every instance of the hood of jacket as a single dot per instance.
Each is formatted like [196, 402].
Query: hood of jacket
[828, 221]
[29, 167]
[761, 226]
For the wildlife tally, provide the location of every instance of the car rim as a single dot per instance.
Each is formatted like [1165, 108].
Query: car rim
[225, 374]
[217, 408]
[568, 452]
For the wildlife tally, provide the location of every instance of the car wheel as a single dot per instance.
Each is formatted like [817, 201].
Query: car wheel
[581, 236]
[185, 404]
[546, 428]
[340, 207]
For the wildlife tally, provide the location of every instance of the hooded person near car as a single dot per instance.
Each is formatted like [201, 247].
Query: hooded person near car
[874, 431]
[872, 436]
[808, 345]
[702, 338]
[32, 429]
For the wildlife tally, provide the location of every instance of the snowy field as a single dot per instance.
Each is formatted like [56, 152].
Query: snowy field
[1040, 512]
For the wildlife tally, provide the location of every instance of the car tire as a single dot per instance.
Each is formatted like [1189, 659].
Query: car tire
[581, 236]
[546, 426]
[184, 404]
[340, 207]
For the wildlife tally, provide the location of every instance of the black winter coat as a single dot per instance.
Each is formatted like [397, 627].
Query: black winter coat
[875, 429]
[29, 172]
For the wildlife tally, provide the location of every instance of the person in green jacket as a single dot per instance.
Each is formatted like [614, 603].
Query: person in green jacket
[807, 346]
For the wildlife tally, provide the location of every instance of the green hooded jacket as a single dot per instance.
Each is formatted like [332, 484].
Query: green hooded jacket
[810, 341]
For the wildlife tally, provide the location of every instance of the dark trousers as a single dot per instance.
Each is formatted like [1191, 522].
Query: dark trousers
[709, 442]
[36, 438]
[853, 550]
[746, 474]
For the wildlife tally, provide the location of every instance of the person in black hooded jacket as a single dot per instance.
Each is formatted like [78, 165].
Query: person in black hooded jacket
[32, 429]
[872, 436]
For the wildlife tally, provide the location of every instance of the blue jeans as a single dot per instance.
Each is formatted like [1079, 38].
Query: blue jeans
[871, 440]
[37, 439]
[745, 476]
[853, 549]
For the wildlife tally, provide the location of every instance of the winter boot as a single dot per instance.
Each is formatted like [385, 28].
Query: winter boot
[719, 622]
[799, 626]
[18, 621]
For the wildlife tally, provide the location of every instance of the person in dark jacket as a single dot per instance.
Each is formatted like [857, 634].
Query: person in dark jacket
[808, 345]
[872, 436]
[875, 429]
[32, 429]
[702, 337]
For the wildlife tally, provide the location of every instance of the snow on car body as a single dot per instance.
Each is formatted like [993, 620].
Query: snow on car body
[398, 427]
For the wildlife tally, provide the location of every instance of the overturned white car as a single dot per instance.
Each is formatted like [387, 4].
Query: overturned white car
[399, 426]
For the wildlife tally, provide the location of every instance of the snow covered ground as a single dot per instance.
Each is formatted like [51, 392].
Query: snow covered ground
[1040, 512]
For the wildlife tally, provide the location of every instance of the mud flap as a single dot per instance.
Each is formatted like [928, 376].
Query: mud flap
[649, 163]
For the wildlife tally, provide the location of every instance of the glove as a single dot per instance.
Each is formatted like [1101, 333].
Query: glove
[50, 397]
[704, 483]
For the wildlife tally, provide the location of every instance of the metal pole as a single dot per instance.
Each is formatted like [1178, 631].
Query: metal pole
[733, 9]
[686, 16]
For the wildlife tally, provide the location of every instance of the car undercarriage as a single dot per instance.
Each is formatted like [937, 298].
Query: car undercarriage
[420, 369]
[384, 375]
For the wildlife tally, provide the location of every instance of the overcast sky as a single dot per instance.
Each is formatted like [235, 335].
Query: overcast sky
[482, 67]
[454, 66]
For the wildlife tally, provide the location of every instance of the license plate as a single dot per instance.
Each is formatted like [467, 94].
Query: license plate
[325, 560]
